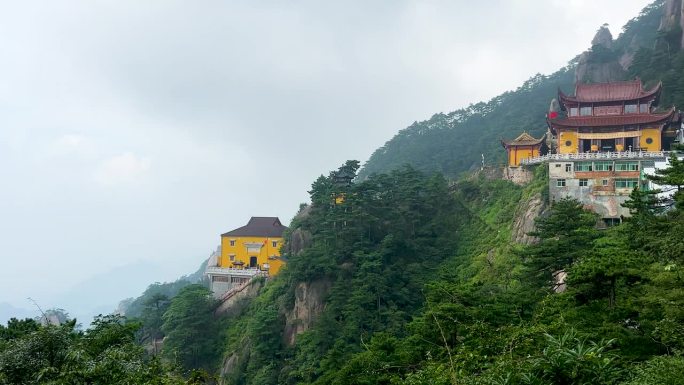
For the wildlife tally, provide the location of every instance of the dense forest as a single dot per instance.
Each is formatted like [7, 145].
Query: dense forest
[421, 273]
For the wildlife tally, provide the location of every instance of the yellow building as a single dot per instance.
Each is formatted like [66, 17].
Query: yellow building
[523, 147]
[611, 118]
[254, 246]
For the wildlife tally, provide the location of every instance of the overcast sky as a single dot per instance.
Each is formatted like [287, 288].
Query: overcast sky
[133, 133]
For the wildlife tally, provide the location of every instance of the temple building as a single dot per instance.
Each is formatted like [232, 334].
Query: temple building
[523, 147]
[603, 138]
[610, 117]
[248, 251]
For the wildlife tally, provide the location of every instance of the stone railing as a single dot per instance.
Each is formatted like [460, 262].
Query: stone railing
[596, 156]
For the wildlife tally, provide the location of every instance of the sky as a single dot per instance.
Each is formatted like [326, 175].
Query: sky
[133, 133]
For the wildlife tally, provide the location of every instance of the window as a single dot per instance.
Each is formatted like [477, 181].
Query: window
[232, 242]
[626, 183]
[584, 182]
[603, 166]
[629, 166]
[560, 182]
[643, 108]
[558, 165]
[574, 111]
[585, 111]
[583, 166]
[604, 182]
[630, 108]
[568, 167]
[232, 257]
[649, 140]
[274, 243]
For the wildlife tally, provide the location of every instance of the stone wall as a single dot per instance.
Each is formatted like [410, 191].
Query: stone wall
[518, 175]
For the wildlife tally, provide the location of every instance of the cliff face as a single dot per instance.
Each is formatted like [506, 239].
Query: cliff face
[523, 222]
[309, 303]
[673, 20]
[601, 63]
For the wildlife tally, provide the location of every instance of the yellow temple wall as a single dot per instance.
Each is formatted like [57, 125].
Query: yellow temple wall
[564, 138]
[239, 250]
[517, 154]
[655, 136]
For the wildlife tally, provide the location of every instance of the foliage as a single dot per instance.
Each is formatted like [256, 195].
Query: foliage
[62, 355]
[192, 331]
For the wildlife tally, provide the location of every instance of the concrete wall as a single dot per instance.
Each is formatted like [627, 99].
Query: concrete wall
[604, 199]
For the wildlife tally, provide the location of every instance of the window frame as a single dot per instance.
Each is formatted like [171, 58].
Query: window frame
[560, 182]
[628, 166]
[584, 182]
[631, 108]
[580, 166]
[626, 183]
[599, 166]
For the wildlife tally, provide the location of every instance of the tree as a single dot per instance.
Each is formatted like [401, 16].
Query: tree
[565, 234]
[151, 318]
[192, 333]
[671, 176]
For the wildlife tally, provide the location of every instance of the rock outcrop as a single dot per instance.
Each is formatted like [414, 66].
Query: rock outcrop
[308, 305]
[673, 20]
[299, 239]
[524, 218]
[600, 64]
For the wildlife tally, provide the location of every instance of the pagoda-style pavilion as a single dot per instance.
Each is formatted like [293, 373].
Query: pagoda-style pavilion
[523, 147]
[609, 117]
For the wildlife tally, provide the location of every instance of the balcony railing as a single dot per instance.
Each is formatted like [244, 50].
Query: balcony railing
[215, 270]
[596, 155]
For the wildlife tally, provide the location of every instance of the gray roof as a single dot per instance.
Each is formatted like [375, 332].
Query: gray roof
[259, 227]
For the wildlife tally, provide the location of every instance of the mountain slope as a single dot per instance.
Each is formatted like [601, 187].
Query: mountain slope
[455, 142]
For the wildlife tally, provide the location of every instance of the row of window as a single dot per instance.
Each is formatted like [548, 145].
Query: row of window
[273, 243]
[619, 183]
[628, 109]
[602, 166]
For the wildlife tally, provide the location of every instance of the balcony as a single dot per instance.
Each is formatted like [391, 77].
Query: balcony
[596, 156]
[215, 270]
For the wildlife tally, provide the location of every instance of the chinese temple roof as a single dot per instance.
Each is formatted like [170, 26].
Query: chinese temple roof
[610, 92]
[613, 120]
[259, 227]
[523, 139]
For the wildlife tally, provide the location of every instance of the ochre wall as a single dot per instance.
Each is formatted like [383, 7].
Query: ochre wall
[654, 134]
[518, 153]
[241, 254]
[565, 136]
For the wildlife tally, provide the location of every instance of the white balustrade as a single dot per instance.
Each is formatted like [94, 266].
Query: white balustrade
[596, 155]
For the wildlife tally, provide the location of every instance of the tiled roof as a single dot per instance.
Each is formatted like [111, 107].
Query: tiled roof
[606, 92]
[523, 139]
[613, 120]
[259, 227]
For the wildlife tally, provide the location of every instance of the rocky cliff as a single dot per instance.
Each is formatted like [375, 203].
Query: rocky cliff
[308, 305]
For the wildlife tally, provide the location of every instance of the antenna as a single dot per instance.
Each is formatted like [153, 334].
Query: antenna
[39, 309]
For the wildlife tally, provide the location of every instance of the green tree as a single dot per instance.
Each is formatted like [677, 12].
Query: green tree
[192, 331]
[565, 234]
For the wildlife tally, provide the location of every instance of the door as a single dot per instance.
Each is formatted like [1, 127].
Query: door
[252, 261]
[607, 145]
